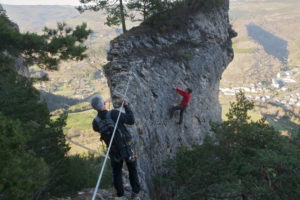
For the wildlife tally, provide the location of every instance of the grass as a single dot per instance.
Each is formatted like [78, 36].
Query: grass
[81, 120]
[246, 51]
[67, 93]
[240, 39]
[240, 50]
[95, 145]
[294, 49]
[79, 107]
[243, 39]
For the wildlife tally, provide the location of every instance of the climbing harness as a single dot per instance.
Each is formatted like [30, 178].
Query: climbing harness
[112, 137]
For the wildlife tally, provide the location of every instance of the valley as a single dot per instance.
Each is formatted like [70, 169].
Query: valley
[267, 60]
[266, 64]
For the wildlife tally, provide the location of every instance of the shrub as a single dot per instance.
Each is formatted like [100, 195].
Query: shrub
[33, 147]
[80, 172]
[173, 14]
[22, 174]
[248, 160]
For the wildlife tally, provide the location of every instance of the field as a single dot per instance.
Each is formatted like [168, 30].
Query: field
[267, 60]
[281, 118]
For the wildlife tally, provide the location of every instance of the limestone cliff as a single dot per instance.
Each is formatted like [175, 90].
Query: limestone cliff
[18, 65]
[192, 54]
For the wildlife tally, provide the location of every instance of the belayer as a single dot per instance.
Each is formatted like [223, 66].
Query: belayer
[122, 148]
[183, 105]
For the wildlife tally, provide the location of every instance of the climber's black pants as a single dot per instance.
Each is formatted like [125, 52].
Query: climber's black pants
[117, 176]
[174, 108]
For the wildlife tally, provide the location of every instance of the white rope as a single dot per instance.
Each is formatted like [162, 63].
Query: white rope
[110, 143]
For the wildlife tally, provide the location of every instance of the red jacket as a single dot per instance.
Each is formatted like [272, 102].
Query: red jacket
[186, 97]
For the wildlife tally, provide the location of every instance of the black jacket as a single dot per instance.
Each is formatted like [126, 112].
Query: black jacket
[125, 118]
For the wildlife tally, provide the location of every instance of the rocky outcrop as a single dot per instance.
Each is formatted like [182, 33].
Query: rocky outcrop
[19, 66]
[18, 61]
[193, 54]
[107, 194]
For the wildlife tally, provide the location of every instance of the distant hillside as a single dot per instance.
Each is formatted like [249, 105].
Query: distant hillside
[272, 44]
[75, 82]
[32, 18]
[269, 70]
[74, 79]
[267, 59]
[267, 44]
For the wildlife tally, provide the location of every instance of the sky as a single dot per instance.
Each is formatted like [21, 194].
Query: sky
[40, 2]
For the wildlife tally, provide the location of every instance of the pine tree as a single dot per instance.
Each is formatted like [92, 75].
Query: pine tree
[248, 160]
[33, 147]
[148, 7]
[21, 170]
[115, 10]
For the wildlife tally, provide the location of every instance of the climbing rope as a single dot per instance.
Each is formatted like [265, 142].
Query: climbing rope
[112, 137]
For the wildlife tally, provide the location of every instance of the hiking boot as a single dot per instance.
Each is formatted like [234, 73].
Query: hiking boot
[135, 196]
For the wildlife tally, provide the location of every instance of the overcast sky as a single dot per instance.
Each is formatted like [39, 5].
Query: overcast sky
[40, 2]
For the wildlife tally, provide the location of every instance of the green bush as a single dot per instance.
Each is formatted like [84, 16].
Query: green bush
[248, 160]
[33, 147]
[164, 20]
[80, 172]
[22, 174]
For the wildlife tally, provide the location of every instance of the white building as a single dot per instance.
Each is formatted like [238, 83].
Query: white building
[275, 84]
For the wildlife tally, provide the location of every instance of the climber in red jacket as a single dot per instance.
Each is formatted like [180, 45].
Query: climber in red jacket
[184, 103]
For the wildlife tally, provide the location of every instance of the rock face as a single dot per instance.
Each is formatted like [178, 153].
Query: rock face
[20, 68]
[18, 65]
[194, 54]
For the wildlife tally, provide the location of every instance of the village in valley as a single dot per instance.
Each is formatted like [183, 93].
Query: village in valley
[277, 91]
